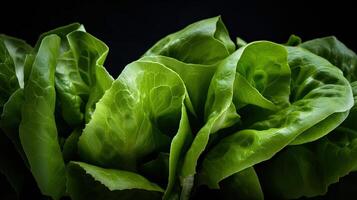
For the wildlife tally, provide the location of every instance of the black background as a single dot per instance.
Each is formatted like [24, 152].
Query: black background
[130, 27]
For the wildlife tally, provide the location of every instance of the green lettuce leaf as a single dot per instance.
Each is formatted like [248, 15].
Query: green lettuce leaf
[318, 91]
[18, 50]
[8, 79]
[146, 123]
[204, 42]
[220, 109]
[189, 73]
[10, 119]
[336, 52]
[308, 170]
[61, 32]
[38, 132]
[91, 182]
[89, 54]
[80, 76]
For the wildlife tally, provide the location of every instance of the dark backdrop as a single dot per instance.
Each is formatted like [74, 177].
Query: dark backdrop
[130, 27]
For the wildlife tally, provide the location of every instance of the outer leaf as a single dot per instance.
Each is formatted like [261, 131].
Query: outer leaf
[11, 118]
[18, 49]
[336, 52]
[38, 133]
[308, 170]
[90, 182]
[319, 91]
[203, 42]
[314, 72]
[8, 79]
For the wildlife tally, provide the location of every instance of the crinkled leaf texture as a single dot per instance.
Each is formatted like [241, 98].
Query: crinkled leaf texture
[308, 170]
[336, 52]
[318, 92]
[220, 109]
[130, 121]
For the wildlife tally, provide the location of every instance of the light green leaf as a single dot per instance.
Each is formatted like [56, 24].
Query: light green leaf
[204, 42]
[130, 120]
[38, 132]
[179, 146]
[190, 73]
[263, 76]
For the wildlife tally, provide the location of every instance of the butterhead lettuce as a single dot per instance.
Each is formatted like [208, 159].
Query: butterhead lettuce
[196, 115]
